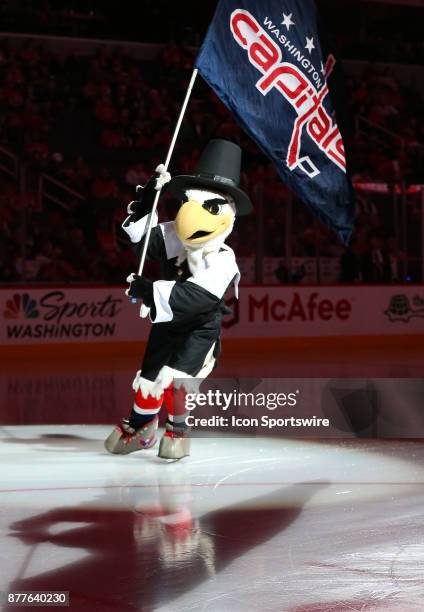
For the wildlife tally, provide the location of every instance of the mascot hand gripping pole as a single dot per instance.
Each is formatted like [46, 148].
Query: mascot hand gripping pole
[187, 304]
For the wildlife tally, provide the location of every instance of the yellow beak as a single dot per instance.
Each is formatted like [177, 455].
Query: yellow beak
[195, 225]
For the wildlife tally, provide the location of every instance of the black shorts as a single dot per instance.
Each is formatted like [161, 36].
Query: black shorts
[181, 348]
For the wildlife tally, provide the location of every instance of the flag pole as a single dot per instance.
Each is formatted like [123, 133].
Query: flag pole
[168, 159]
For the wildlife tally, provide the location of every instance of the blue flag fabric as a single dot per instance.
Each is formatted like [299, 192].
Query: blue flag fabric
[264, 60]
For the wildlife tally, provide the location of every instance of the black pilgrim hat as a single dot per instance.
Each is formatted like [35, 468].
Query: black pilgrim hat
[219, 170]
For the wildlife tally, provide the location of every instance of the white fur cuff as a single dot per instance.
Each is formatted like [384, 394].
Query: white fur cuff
[137, 229]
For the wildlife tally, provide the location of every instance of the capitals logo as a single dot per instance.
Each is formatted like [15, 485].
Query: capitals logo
[305, 96]
[264, 61]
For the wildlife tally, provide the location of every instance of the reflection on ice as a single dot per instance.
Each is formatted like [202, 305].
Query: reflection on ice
[291, 526]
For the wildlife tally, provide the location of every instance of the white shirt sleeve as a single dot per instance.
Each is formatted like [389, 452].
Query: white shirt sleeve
[161, 296]
[137, 229]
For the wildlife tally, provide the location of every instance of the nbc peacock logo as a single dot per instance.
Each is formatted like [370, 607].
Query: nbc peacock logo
[21, 305]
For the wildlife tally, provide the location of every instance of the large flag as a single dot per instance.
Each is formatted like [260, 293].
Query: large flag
[264, 60]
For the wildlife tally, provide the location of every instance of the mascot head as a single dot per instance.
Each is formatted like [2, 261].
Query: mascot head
[210, 197]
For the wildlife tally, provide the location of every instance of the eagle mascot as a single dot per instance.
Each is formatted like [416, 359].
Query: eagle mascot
[186, 305]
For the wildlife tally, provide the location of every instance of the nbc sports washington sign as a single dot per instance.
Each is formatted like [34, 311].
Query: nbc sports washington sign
[60, 315]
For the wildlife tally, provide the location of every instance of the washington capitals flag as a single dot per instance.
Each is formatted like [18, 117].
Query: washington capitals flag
[264, 61]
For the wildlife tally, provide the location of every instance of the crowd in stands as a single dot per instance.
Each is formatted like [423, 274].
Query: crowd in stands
[101, 124]
[364, 31]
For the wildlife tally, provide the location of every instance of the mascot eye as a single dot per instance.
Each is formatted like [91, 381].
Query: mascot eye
[212, 207]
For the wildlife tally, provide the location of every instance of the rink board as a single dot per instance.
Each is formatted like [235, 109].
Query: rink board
[62, 315]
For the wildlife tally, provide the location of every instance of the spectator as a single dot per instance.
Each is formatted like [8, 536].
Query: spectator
[136, 175]
[349, 266]
[375, 263]
[103, 186]
[117, 111]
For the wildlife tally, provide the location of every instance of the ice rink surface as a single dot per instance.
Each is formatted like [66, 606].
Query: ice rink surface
[242, 525]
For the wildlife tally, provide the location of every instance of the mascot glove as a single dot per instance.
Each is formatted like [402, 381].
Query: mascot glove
[163, 178]
[140, 287]
[143, 206]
